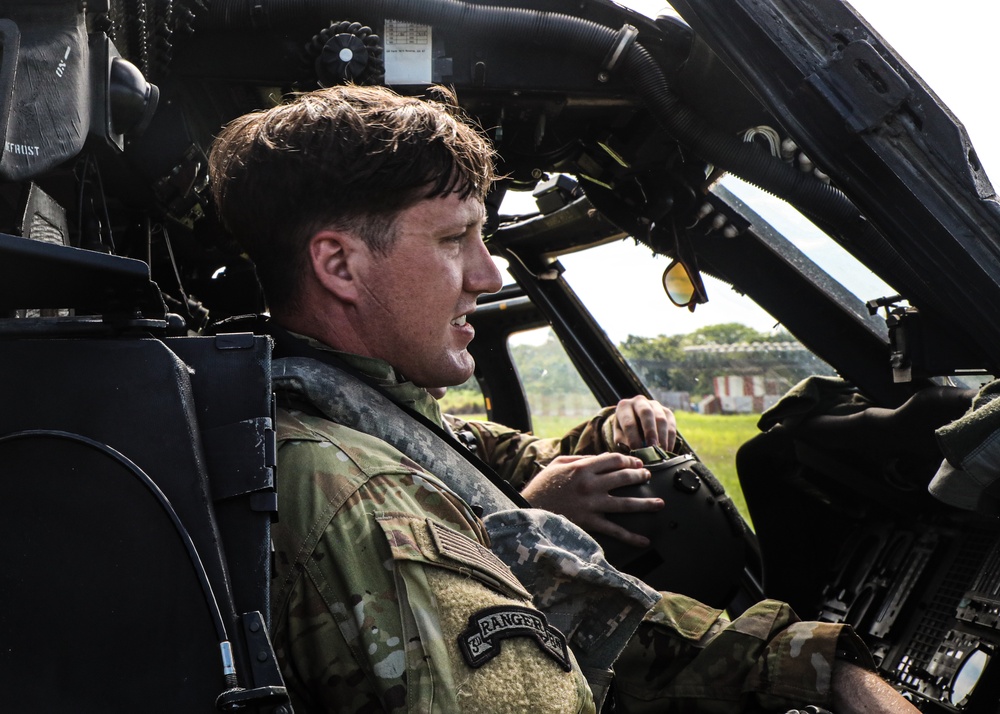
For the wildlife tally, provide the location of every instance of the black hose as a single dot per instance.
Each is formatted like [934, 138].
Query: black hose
[748, 161]
[826, 205]
[536, 27]
[531, 27]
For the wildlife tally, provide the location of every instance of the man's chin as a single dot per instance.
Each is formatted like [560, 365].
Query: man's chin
[450, 375]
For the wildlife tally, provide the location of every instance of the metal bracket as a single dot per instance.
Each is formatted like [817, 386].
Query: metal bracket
[268, 688]
[623, 40]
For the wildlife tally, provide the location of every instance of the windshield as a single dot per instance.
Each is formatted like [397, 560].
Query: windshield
[620, 283]
[821, 249]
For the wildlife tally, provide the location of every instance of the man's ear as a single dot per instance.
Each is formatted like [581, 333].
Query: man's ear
[333, 256]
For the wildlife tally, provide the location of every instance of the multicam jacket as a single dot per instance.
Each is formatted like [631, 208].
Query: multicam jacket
[387, 597]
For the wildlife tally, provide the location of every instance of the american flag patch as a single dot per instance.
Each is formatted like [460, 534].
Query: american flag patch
[459, 547]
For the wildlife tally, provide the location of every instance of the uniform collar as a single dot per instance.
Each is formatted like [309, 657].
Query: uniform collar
[400, 390]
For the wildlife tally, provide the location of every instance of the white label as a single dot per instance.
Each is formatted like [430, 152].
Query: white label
[22, 149]
[408, 57]
[61, 67]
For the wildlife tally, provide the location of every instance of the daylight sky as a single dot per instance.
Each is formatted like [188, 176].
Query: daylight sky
[955, 51]
[952, 45]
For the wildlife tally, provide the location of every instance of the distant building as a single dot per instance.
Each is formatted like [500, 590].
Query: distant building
[752, 376]
[746, 394]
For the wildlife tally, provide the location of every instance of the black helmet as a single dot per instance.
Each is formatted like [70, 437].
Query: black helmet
[699, 541]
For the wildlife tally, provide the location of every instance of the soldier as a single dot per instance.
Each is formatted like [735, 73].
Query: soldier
[395, 587]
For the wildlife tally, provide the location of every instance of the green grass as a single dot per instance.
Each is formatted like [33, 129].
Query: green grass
[715, 438]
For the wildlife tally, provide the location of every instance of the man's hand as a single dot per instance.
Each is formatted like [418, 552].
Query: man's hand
[577, 487]
[641, 422]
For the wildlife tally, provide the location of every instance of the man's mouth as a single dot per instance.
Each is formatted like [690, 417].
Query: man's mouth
[459, 321]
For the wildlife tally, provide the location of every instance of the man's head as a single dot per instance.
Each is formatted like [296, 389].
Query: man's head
[345, 157]
[363, 212]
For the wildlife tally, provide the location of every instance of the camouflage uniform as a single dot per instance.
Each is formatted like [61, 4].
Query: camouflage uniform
[387, 597]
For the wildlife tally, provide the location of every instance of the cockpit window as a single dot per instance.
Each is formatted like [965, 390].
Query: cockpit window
[821, 248]
[621, 284]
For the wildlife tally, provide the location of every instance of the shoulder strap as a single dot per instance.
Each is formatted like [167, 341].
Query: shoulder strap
[351, 398]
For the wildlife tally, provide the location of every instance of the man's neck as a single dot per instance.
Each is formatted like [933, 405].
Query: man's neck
[380, 373]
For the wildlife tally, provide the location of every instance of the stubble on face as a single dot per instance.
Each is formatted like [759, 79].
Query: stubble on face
[416, 298]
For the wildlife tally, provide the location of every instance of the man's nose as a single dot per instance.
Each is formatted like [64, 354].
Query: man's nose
[483, 276]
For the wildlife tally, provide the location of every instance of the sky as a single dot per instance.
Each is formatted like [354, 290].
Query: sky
[954, 51]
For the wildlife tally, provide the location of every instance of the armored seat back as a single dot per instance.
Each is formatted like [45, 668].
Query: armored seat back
[138, 491]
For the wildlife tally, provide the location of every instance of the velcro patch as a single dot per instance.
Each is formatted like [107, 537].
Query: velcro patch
[488, 628]
[459, 547]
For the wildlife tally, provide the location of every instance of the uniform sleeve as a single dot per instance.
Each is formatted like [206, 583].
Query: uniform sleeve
[691, 656]
[391, 602]
[517, 456]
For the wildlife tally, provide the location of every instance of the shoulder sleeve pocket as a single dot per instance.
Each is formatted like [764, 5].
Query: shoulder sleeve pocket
[476, 638]
[427, 541]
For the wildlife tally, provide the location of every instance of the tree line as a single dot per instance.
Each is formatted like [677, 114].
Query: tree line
[683, 363]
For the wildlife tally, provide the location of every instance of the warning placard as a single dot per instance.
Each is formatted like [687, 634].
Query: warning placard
[408, 57]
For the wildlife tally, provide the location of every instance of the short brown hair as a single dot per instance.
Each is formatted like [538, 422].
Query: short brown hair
[345, 157]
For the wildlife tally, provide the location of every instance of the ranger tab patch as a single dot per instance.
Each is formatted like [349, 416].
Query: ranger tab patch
[487, 628]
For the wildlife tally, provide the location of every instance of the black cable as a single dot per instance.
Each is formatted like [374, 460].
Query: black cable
[82, 183]
[177, 272]
[104, 204]
[199, 567]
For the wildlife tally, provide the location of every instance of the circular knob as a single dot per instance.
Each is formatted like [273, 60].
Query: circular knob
[344, 58]
[687, 481]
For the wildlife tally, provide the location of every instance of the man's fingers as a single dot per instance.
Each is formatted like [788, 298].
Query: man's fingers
[604, 474]
[626, 428]
[603, 525]
[611, 462]
[642, 422]
[569, 458]
[629, 504]
[654, 427]
[666, 429]
[658, 425]
[624, 477]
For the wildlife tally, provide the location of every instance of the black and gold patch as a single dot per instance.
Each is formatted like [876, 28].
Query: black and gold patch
[489, 627]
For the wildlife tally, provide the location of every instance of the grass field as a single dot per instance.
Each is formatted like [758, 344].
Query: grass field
[714, 438]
